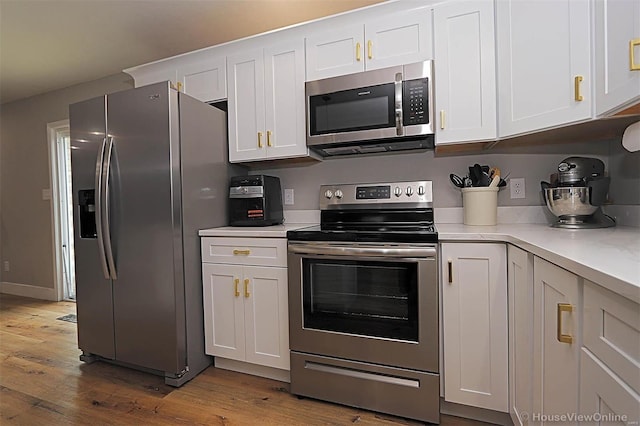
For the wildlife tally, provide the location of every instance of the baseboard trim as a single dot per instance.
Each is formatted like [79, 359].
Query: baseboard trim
[253, 369]
[475, 413]
[26, 290]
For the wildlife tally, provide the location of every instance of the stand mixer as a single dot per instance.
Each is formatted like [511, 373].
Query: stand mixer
[577, 192]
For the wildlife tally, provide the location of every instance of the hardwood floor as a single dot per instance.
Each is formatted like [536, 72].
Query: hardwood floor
[42, 382]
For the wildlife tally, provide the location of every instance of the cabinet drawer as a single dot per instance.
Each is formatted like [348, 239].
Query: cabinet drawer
[612, 332]
[245, 251]
[604, 395]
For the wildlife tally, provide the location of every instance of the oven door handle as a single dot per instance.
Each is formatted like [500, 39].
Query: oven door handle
[335, 250]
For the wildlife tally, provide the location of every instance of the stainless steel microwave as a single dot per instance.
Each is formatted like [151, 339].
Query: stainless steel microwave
[388, 109]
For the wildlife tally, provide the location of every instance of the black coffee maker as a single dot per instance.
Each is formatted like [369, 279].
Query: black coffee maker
[255, 200]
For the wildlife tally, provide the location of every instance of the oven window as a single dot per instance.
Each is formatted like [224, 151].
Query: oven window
[352, 110]
[367, 298]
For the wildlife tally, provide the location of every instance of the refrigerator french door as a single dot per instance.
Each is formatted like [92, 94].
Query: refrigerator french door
[135, 154]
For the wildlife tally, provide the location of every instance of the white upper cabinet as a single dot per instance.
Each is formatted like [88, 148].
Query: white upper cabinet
[335, 53]
[617, 44]
[400, 38]
[284, 100]
[245, 73]
[544, 68]
[266, 103]
[201, 74]
[465, 71]
[150, 74]
[205, 80]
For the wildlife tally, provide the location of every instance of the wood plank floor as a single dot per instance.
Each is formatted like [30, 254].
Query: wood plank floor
[42, 382]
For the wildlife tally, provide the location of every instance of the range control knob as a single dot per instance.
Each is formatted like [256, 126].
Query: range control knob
[328, 194]
[397, 191]
[421, 190]
[409, 191]
[339, 193]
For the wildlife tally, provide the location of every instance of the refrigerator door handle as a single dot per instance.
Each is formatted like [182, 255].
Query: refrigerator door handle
[99, 205]
[106, 224]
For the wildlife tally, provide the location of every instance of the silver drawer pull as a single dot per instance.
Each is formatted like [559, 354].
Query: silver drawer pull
[358, 374]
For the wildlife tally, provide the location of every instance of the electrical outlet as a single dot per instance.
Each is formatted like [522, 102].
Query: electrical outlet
[7, 267]
[516, 186]
[288, 197]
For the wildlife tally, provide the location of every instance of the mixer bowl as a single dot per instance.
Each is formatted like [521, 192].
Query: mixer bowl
[569, 201]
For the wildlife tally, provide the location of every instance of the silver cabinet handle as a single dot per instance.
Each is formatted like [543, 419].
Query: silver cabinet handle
[99, 205]
[107, 225]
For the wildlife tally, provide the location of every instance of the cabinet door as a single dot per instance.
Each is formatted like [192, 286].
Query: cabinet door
[266, 316]
[155, 75]
[520, 291]
[617, 23]
[611, 331]
[465, 70]
[555, 363]
[205, 80]
[223, 311]
[398, 39]
[605, 394]
[338, 52]
[543, 47]
[245, 73]
[474, 308]
[284, 97]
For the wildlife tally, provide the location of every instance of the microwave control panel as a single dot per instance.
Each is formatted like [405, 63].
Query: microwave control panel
[415, 102]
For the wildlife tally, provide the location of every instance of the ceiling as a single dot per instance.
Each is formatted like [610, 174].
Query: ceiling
[51, 44]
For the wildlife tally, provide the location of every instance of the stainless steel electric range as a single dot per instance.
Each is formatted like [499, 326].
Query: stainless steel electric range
[363, 300]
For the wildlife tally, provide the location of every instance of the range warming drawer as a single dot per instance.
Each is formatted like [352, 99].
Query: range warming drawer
[407, 393]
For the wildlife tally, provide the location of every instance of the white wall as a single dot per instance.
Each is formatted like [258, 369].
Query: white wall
[535, 164]
[25, 218]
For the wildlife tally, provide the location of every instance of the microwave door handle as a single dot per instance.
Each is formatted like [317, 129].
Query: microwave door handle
[398, 95]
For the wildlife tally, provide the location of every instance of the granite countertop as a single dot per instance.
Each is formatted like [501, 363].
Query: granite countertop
[609, 257]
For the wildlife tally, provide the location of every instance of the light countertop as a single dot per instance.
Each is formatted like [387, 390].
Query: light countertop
[274, 231]
[609, 257]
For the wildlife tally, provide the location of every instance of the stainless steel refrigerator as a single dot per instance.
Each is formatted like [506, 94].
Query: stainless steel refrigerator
[149, 168]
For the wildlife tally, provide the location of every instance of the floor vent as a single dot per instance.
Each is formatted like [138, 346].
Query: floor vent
[69, 318]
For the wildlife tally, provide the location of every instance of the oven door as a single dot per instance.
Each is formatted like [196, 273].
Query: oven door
[376, 303]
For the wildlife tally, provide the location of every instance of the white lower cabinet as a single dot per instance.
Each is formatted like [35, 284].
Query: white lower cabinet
[610, 358]
[604, 397]
[474, 308]
[246, 306]
[556, 345]
[520, 290]
[574, 347]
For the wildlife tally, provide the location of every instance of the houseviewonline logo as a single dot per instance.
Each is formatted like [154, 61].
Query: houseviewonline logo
[576, 417]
